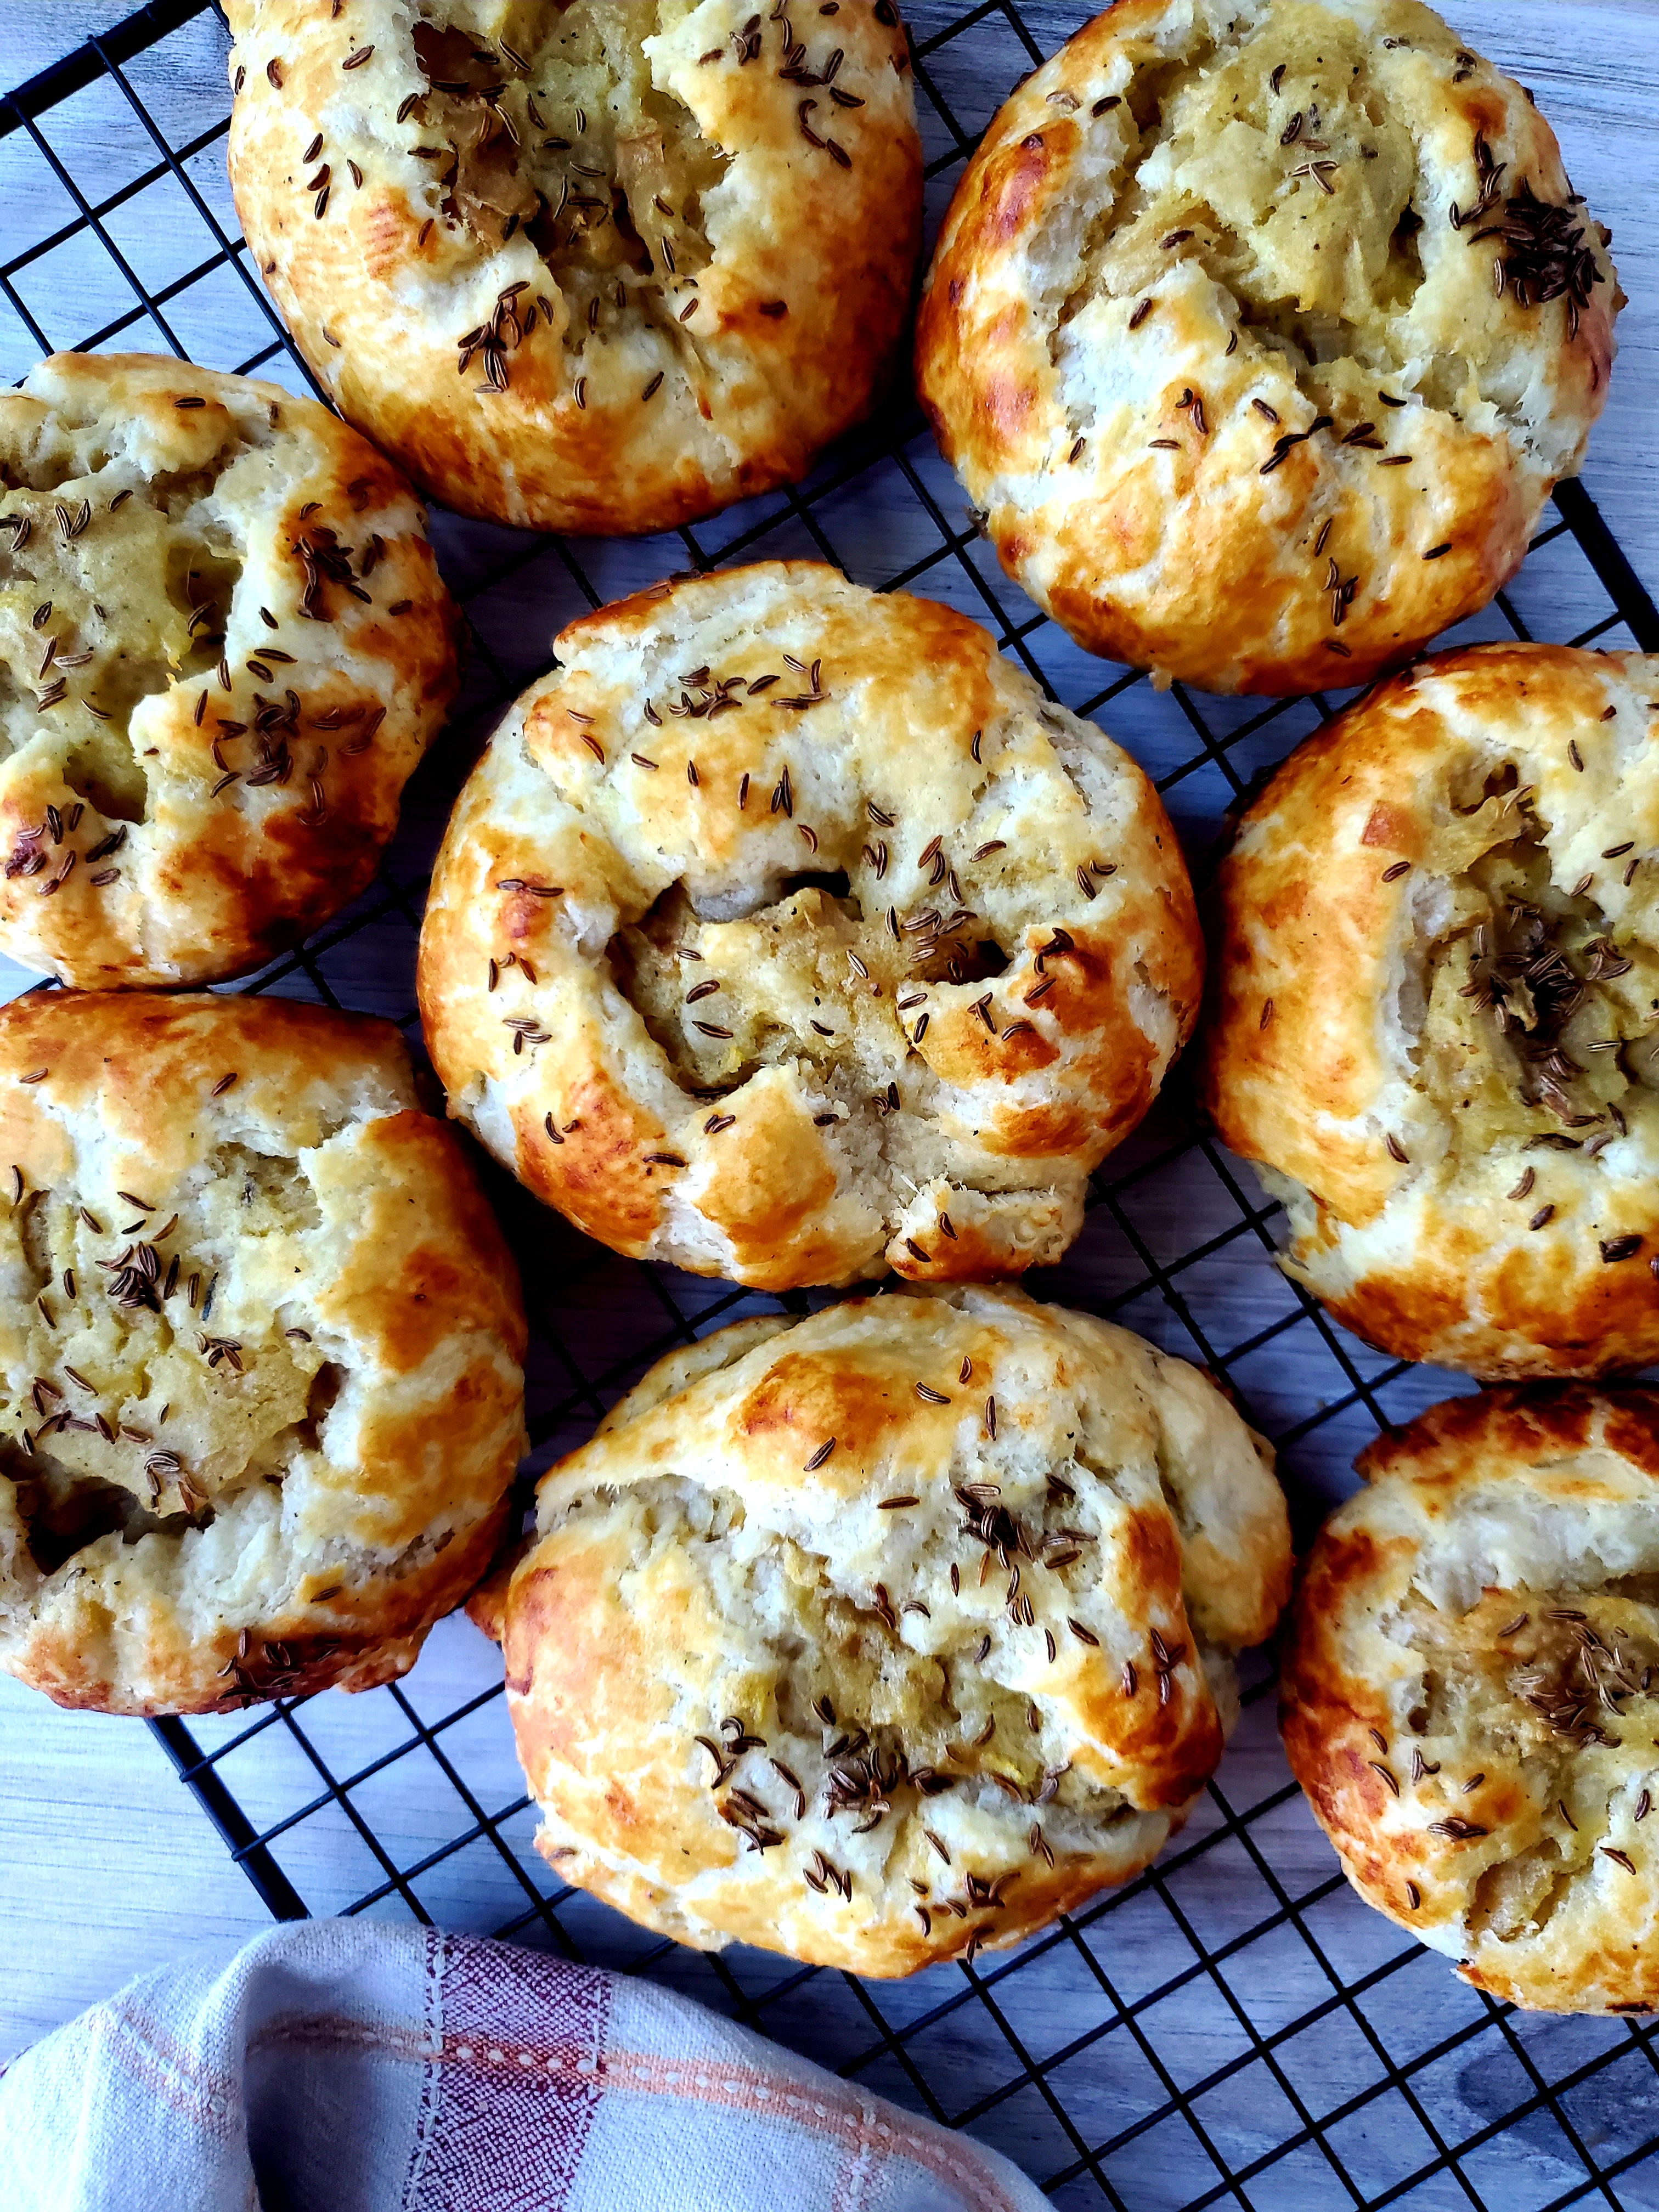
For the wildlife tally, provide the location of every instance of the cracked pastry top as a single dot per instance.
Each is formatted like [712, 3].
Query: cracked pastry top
[260, 1351]
[1469, 1693]
[788, 932]
[605, 266]
[1259, 333]
[1438, 1011]
[883, 1635]
[224, 647]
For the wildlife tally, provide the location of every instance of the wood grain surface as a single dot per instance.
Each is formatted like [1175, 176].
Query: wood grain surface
[106, 1865]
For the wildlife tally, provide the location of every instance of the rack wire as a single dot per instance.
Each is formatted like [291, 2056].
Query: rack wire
[1232, 2028]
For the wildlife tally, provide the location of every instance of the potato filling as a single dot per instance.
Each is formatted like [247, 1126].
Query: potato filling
[1538, 1019]
[112, 588]
[128, 1402]
[545, 122]
[1552, 1683]
[1275, 153]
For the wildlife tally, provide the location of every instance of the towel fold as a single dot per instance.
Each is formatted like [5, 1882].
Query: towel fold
[352, 2066]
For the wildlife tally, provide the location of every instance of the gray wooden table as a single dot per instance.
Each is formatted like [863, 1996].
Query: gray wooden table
[106, 1865]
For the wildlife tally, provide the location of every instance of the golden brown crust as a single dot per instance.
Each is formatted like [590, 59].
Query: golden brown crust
[1466, 1139]
[869, 966]
[260, 1349]
[1240, 405]
[1463, 1690]
[757, 202]
[222, 611]
[762, 1690]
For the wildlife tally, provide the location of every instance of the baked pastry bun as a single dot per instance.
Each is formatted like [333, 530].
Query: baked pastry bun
[596, 267]
[260, 1348]
[1438, 1011]
[1469, 1693]
[1259, 333]
[891, 1632]
[786, 932]
[227, 647]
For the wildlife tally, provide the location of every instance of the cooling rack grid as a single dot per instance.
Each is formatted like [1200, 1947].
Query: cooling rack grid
[1232, 2028]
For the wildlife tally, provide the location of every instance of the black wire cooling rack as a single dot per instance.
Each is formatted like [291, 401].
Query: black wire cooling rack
[1234, 2027]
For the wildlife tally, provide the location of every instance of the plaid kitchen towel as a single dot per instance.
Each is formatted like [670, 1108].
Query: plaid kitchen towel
[346, 2066]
